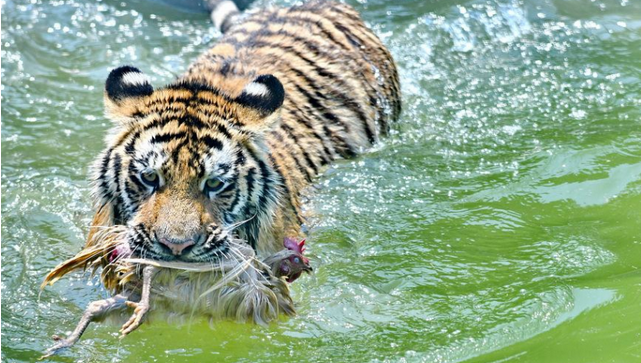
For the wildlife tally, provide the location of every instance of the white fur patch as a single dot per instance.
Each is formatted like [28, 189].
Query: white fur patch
[135, 79]
[222, 11]
[256, 89]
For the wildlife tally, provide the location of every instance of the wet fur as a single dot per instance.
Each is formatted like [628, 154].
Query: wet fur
[341, 92]
[239, 286]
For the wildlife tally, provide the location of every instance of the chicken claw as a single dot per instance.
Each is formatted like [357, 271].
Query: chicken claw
[141, 307]
[95, 311]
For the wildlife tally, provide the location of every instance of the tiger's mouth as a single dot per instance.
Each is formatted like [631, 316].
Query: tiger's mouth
[211, 246]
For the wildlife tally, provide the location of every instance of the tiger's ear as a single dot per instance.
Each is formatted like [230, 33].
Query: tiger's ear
[124, 88]
[260, 99]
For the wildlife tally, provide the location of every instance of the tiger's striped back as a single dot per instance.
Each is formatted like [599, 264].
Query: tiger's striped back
[340, 81]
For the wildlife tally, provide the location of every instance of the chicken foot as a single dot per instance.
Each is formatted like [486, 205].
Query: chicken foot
[95, 311]
[100, 308]
[141, 307]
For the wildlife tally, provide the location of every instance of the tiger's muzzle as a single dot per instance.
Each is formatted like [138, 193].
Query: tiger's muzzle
[177, 248]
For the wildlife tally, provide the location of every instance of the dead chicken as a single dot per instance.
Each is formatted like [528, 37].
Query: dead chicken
[240, 286]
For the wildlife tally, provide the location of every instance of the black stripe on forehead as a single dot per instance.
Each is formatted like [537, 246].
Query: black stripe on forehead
[209, 132]
[166, 137]
[240, 157]
[130, 146]
[195, 94]
[195, 88]
[163, 108]
[225, 168]
[174, 154]
[211, 142]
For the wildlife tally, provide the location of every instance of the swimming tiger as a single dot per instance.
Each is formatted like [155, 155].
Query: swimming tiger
[209, 170]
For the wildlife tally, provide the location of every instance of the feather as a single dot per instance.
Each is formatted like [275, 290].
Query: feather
[98, 253]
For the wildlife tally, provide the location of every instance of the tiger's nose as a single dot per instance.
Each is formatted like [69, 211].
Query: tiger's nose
[177, 248]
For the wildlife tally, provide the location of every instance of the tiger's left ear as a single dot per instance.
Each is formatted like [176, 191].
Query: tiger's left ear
[260, 101]
[124, 89]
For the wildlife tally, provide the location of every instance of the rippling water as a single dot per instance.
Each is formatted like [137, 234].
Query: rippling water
[499, 222]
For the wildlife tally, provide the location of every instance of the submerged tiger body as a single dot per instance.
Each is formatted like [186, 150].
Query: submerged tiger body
[220, 156]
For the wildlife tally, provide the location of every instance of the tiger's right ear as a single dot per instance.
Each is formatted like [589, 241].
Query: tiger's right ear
[124, 88]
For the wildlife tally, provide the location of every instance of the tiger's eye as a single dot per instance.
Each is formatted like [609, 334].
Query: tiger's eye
[150, 178]
[213, 185]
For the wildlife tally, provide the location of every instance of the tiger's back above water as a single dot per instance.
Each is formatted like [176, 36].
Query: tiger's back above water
[340, 82]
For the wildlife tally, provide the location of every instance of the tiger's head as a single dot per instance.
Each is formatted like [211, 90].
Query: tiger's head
[186, 168]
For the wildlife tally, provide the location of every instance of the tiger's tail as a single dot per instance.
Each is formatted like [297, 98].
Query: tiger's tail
[225, 13]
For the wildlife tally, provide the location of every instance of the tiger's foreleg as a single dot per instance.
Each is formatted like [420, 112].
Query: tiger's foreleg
[141, 307]
[96, 310]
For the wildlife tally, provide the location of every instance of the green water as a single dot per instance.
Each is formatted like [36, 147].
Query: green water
[499, 223]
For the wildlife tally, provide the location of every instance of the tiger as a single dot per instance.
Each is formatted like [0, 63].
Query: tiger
[216, 161]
